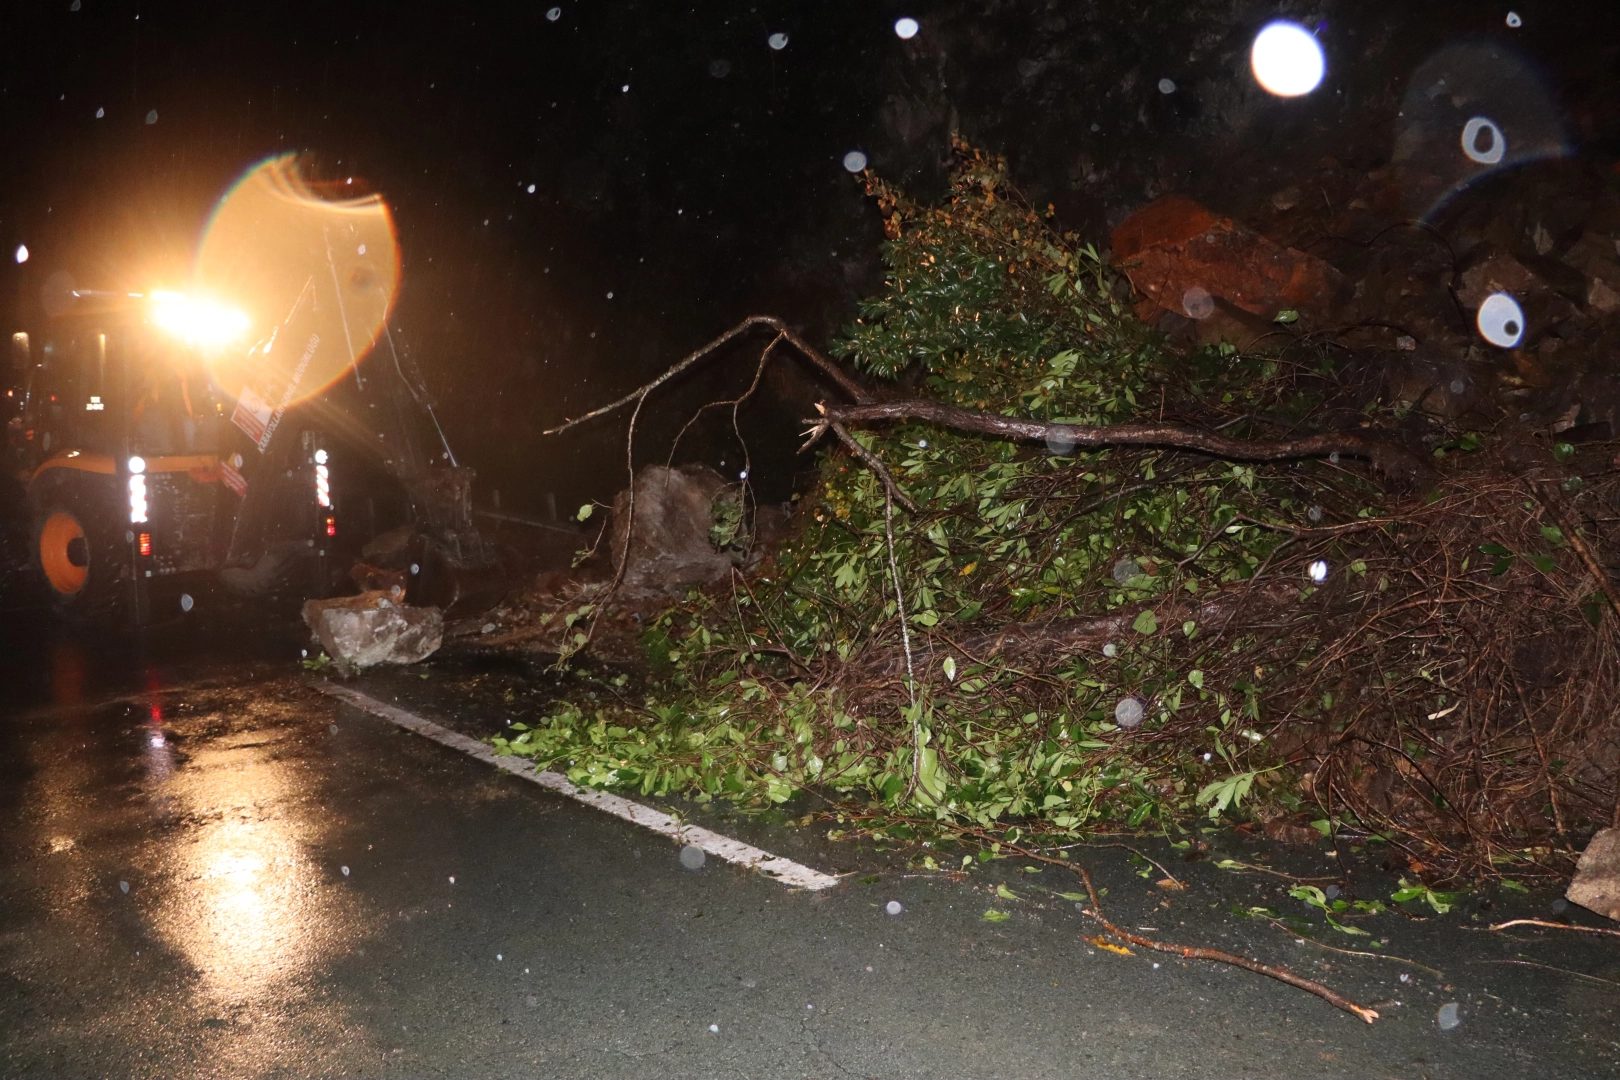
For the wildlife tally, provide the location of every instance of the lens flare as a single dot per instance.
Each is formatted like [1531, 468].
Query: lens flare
[1501, 320]
[1286, 60]
[198, 321]
[1483, 141]
[1471, 111]
[313, 276]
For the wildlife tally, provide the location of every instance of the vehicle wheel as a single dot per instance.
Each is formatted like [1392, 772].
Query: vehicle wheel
[80, 553]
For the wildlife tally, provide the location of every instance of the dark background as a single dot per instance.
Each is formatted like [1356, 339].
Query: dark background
[694, 197]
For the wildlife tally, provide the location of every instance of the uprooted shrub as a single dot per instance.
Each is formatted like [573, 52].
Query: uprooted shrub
[1073, 630]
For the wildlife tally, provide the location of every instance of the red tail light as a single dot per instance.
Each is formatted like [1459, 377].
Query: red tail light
[144, 543]
[331, 526]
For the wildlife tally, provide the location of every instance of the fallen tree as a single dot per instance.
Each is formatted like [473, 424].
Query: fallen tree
[1061, 515]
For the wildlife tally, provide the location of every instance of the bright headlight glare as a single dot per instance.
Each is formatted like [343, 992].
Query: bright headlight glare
[197, 321]
[137, 498]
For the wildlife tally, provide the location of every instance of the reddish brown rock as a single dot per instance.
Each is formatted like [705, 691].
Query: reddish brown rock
[1175, 245]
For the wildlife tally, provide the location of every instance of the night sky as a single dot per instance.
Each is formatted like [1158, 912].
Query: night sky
[677, 161]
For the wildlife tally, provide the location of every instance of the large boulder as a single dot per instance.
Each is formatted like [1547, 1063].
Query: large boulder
[686, 525]
[1180, 256]
[1596, 885]
[374, 628]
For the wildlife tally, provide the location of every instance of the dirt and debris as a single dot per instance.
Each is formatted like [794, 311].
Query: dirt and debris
[1440, 683]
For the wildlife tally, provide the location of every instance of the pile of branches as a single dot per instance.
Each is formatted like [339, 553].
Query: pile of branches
[1055, 575]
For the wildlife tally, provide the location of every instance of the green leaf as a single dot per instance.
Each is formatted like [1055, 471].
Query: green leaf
[1286, 316]
[1495, 549]
[1006, 893]
[1545, 563]
[585, 511]
[996, 916]
[949, 665]
[1514, 886]
[1562, 452]
[1553, 535]
[1500, 566]
[1075, 898]
[1146, 623]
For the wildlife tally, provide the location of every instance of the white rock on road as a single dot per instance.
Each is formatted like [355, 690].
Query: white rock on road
[370, 629]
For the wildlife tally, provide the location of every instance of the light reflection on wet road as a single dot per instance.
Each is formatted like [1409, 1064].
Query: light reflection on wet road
[570, 944]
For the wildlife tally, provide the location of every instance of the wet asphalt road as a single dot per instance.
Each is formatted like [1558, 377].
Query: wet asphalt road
[486, 928]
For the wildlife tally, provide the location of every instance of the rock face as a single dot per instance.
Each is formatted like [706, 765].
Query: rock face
[677, 513]
[374, 628]
[1596, 885]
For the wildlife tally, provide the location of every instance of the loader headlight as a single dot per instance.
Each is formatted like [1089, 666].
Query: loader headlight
[137, 498]
[198, 321]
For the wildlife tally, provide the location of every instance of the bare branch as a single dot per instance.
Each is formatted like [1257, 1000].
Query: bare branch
[827, 367]
[1388, 458]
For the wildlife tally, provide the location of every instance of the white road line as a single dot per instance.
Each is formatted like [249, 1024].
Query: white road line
[786, 871]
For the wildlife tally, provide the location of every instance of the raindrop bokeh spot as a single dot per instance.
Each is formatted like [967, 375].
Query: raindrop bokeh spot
[1448, 1016]
[151, 117]
[693, 857]
[906, 28]
[1167, 86]
[855, 161]
[1318, 571]
[1483, 141]
[1060, 444]
[1128, 713]
[1286, 60]
[21, 254]
[1197, 303]
[1513, 20]
[777, 41]
[1501, 320]
[1125, 569]
[719, 68]
[893, 907]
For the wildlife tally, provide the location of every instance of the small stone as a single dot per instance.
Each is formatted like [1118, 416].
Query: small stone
[893, 907]
[1448, 1016]
[1406, 343]
[693, 857]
